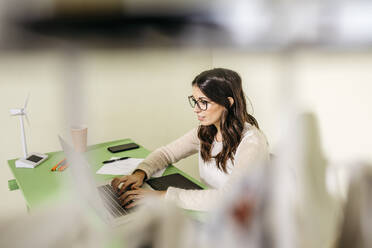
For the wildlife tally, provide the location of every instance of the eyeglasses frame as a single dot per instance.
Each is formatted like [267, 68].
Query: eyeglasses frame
[192, 101]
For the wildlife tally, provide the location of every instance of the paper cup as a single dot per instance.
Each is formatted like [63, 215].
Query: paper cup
[79, 137]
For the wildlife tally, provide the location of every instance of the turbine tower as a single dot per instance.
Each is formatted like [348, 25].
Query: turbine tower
[22, 112]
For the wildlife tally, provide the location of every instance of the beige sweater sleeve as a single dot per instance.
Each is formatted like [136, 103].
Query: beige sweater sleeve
[181, 148]
[252, 150]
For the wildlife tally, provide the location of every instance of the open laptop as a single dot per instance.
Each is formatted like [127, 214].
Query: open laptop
[99, 196]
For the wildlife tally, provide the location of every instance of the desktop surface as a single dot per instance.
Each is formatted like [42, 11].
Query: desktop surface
[40, 184]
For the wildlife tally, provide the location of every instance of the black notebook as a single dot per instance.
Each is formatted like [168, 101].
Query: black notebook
[173, 180]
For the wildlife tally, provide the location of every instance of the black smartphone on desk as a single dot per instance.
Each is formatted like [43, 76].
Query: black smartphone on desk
[124, 147]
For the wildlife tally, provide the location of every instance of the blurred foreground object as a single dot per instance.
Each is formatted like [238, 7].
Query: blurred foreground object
[62, 226]
[306, 214]
[356, 227]
[159, 224]
[244, 217]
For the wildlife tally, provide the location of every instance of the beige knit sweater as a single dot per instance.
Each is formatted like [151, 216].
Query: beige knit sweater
[252, 150]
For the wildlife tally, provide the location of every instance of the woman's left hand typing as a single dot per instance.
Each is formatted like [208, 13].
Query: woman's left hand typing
[133, 197]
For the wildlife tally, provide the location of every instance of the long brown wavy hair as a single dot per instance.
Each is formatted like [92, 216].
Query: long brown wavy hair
[218, 84]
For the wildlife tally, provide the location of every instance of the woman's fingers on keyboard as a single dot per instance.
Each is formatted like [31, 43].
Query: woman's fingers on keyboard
[136, 185]
[131, 204]
[128, 201]
[128, 193]
[115, 183]
[126, 186]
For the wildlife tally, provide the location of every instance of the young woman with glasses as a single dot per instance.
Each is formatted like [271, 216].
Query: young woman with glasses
[228, 140]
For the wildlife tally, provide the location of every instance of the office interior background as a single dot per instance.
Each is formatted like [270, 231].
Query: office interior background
[141, 92]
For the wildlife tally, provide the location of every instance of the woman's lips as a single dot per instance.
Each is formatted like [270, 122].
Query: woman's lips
[200, 118]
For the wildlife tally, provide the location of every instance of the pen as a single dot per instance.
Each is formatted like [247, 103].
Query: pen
[58, 164]
[63, 167]
[114, 160]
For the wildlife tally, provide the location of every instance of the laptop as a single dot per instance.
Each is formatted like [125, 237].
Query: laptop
[99, 196]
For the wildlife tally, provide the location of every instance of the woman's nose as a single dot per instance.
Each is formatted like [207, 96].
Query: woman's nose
[197, 109]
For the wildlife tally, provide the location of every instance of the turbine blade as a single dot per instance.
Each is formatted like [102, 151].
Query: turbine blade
[26, 102]
[28, 121]
[15, 111]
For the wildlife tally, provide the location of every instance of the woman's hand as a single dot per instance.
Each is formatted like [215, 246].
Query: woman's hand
[132, 197]
[133, 181]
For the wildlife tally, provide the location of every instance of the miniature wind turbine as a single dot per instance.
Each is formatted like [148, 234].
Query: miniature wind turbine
[35, 158]
[22, 112]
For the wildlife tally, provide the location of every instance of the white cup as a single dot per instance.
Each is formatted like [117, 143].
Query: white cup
[79, 137]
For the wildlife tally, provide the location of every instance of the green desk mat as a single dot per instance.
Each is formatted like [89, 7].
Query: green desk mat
[40, 184]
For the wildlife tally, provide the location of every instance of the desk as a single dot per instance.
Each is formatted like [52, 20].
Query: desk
[40, 184]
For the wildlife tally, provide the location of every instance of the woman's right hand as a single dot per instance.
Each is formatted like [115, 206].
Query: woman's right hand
[133, 181]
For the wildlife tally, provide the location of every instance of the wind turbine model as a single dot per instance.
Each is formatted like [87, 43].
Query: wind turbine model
[22, 112]
[35, 158]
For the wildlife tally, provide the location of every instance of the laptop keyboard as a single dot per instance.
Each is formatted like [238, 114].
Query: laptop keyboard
[111, 201]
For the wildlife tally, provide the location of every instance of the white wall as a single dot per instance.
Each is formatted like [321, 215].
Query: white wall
[338, 86]
[141, 94]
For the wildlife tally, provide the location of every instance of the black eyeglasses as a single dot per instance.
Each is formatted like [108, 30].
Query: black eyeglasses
[202, 104]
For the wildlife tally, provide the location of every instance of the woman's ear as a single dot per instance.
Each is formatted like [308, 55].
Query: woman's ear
[231, 100]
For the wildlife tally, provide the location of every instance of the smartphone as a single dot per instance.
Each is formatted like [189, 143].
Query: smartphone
[33, 160]
[124, 147]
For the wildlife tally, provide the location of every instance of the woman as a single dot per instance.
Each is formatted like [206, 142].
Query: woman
[228, 140]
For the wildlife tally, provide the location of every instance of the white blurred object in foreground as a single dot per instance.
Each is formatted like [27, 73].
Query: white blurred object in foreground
[244, 216]
[63, 226]
[306, 215]
[160, 224]
[356, 228]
